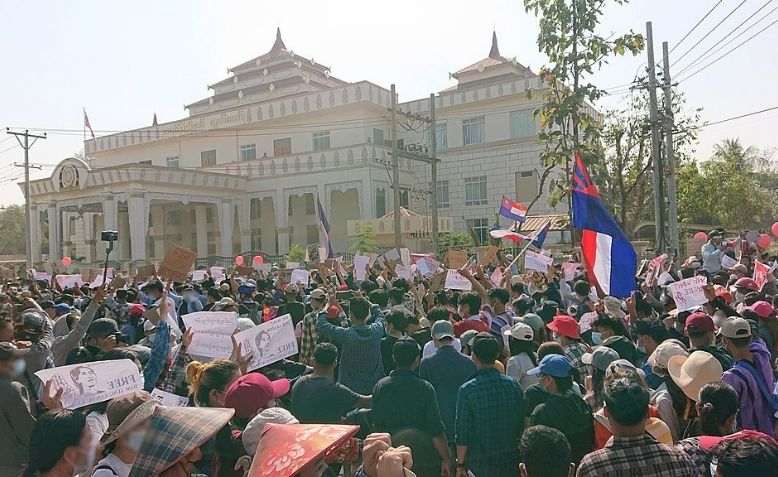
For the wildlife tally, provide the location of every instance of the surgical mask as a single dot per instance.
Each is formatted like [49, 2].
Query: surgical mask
[20, 366]
[134, 440]
[596, 337]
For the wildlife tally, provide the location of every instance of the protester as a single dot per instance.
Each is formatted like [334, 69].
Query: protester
[18, 411]
[599, 359]
[128, 420]
[523, 357]
[60, 446]
[545, 452]
[689, 374]
[701, 332]
[567, 333]
[752, 455]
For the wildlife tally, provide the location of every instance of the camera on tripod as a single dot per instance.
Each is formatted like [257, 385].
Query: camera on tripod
[109, 236]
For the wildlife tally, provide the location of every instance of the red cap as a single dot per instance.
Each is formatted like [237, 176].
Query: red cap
[700, 322]
[762, 309]
[723, 293]
[747, 283]
[566, 326]
[136, 310]
[253, 392]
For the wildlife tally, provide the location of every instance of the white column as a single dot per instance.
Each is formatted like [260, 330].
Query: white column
[138, 209]
[54, 247]
[244, 223]
[123, 247]
[280, 201]
[226, 223]
[159, 216]
[35, 233]
[201, 230]
[88, 221]
[110, 213]
[366, 201]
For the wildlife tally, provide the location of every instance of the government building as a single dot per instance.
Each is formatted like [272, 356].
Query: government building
[244, 171]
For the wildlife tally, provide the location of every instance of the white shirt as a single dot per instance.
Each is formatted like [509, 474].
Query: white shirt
[430, 349]
[517, 369]
[97, 422]
[120, 468]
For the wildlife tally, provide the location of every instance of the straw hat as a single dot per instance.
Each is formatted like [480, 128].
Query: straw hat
[127, 412]
[693, 372]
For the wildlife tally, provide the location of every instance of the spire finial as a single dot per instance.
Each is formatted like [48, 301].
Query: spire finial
[279, 43]
[495, 51]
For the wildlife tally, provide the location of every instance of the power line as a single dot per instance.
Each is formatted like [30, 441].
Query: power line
[699, 22]
[741, 116]
[728, 52]
[705, 55]
[715, 27]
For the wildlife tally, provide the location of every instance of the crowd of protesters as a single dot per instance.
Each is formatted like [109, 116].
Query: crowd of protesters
[527, 374]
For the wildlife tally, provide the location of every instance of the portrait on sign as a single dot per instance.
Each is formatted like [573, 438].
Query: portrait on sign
[269, 342]
[89, 383]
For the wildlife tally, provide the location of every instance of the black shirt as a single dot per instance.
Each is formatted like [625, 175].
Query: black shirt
[569, 414]
[403, 400]
[387, 342]
[320, 400]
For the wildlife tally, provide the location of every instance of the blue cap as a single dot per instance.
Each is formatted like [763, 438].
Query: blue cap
[62, 308]
[554, 365]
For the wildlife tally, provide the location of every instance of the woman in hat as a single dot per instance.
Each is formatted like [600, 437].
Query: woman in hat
[689, 374]
[523, 356]
[599, 359]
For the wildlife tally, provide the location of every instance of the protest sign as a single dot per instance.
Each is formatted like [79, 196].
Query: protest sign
[217, 273]
[292, 265]
[392, 255]
[169, 399]
[403, 271]
[537, 261]
[761, 273]
[456, 258]
[486, 255]
[69, 281]
[728, 262]
[90, 383]
[427, 266]
[570, 270]
[360, 266]
[117, 282]
[212, 333]
[300, 276]
[664, 279]
[144, 272]
[98, 280]
[455, 281]
[177, 263]
[689, 293]
[41, 276]
[496, 277]
[437, 280]
[199, 276]
[405, 256]
[269, 342]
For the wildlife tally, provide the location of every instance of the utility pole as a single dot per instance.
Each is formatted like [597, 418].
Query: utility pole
[434, 173]
[659, 225]
[395, 173]
[26, 145]
[672, 198]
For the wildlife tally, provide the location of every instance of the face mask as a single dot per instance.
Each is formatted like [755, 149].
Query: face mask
[134, 440]
[596, 337]
[20, 366]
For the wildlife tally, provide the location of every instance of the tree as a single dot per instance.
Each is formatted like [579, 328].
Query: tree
[568, 37]
[447, 240]
[12, 225]
[296, 253]
[623, 174]
[365, 241]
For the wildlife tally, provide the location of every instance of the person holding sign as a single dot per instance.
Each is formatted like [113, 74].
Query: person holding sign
[128, 419]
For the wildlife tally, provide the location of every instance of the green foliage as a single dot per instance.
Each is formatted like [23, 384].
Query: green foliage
[447, 240]
[365, 241]
[296, 253]
[12, 225]
[569, 38]
[734, 189]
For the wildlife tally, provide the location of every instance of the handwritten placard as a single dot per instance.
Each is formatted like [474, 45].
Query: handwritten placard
[69, 281]
[300, 276]
[90, 383]
[689, 293]
[537, 261]
[728, 262]
[98, 280]
[392, 255]
[269, 342]
[169, 399]
[570, 270]
[455, 281]
[217, 273]
[456, 258]
[199, 276]
[212, 333]
[404, 271]
[360, 266]
[41, 276]
[427, 266]
[177, 263]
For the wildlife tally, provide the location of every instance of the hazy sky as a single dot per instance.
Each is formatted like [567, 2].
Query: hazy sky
[123, 61]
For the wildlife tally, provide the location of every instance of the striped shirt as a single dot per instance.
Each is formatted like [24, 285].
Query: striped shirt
[639, 456]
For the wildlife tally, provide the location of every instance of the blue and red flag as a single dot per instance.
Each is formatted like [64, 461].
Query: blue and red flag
[324, 230]
[513, 210]
[608, 255]
[540, 235]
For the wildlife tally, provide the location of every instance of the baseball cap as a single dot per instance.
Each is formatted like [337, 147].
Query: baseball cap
[442, 329]
[521, 332]
[252, 434]
[252, 392]
[723, 293]
[762, 309]
[566, 326]
[136, 309]
[62, 308]
[554, 365]
[9, 351]
[467, 337]
[699, 322]
[319, 294]
[735, 327]
[600, 358]
[534, 321]
[747, 283]
[485, 344]
[101, 328]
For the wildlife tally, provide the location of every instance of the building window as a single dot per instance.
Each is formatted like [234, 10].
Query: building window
[321, 141]
[480, 228]
[248, 152]
[174, 217]
[522, 124]
[144, 163]
[312, 234]
[475, 190]
[172, 162]
[208, 158]
[290, 207]
[310, 208]
[473, 131]
[405, 198]
[442, 195]
[380, 202]
[256, 239]
[209, 215]
[526, 186]
[378, 136]
[256, 209]
[282, 147]
[441, 137]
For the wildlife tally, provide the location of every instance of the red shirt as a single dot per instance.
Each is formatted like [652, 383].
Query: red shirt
[469, 324]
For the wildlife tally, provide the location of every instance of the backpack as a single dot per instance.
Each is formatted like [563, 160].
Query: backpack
[769, 397]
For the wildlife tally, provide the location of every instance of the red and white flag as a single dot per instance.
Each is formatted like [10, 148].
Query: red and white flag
[87, 125]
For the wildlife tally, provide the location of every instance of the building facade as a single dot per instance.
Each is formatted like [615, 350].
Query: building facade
[243, 173]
